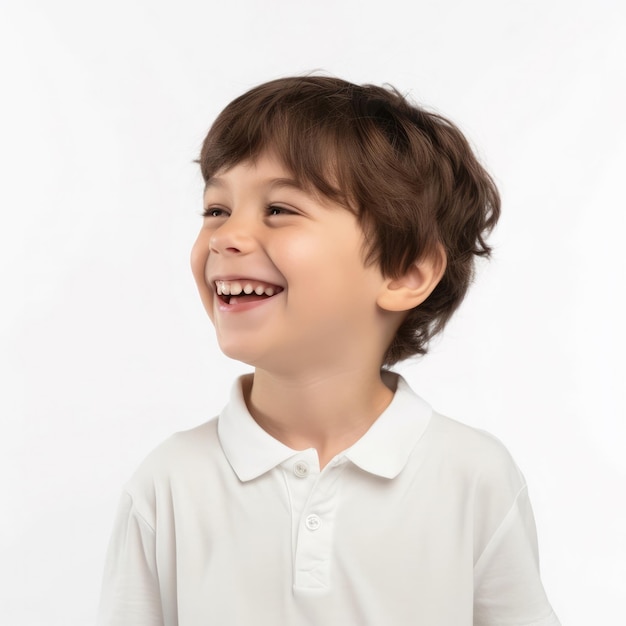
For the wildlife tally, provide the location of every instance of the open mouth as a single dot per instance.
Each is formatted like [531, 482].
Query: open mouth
[245, 290]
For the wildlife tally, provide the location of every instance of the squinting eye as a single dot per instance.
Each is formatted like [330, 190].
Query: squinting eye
[278, 210]
[213, 212]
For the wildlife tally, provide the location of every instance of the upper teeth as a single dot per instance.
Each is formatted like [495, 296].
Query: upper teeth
[235, 287]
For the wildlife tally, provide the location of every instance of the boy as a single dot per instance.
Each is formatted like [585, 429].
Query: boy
[340, 228]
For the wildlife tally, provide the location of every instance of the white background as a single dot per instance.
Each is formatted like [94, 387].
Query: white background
[105, 349]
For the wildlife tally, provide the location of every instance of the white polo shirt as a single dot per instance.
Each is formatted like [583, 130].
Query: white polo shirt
[423, 521]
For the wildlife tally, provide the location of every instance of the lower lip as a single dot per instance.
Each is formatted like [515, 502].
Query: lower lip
[240, 307]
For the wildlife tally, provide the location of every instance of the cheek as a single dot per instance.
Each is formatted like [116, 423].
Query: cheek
[326, 273]
[307, 268]
[199, 258]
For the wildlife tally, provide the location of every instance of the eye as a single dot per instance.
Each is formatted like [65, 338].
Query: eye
[214, 212]
[274, 209]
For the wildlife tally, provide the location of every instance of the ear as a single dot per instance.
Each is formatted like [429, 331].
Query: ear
[413, 287]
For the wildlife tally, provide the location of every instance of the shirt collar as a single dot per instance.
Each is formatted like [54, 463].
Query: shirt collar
[384, 449]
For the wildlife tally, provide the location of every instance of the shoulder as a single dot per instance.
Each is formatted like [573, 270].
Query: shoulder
[473, 464]
[472, 448]
[473, 478]
[178, 451]
[446, 443]
[182, 459]
[474, 441]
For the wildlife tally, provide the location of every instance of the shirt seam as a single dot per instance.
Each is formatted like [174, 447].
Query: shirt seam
[497, 530]
[137, 513]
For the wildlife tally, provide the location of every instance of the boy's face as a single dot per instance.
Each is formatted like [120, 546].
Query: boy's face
[281, 274]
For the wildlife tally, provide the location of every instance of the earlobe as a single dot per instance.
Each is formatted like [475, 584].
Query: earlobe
[413, 287]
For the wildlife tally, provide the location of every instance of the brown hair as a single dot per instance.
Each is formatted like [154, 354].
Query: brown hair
[409, 175]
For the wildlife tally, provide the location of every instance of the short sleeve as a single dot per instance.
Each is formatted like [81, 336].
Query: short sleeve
[507, 585]
[130, 590]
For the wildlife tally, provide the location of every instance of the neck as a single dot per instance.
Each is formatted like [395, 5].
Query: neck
[328, 412]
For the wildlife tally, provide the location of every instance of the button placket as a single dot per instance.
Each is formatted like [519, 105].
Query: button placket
[313, 555]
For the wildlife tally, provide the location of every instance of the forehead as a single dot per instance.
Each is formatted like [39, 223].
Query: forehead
[265, 166]
[263, 173]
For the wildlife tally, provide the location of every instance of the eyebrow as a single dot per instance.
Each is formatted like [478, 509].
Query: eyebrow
[274, 183]
[290, 183]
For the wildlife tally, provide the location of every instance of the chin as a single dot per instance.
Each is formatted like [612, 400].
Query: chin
[238, 352]
[258, 359]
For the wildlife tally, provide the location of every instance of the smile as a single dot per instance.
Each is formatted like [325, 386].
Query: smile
[245, 290]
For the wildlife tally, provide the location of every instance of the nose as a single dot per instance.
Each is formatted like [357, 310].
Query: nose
[234, 236]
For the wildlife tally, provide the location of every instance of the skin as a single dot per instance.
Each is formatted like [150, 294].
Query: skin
[318, 344]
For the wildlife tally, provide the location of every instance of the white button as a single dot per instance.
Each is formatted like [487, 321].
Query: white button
[301, 469]
[312, 522]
